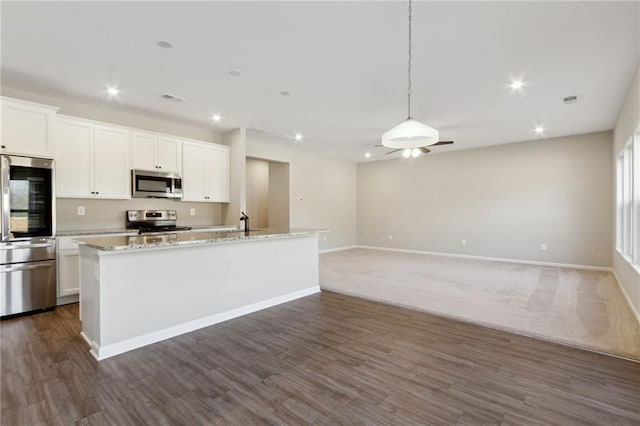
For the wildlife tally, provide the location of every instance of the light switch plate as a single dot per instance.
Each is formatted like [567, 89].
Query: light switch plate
[80, 210]
[192, 211]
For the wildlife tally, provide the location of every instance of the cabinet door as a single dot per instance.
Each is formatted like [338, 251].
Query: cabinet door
[112, 172]
[169, 154]
[68, 273]
[27, 128]
[216, 174]
[192, 172]
[74, 158]
[144, 147]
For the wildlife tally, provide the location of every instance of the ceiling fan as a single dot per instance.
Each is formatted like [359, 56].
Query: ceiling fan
[414, 152]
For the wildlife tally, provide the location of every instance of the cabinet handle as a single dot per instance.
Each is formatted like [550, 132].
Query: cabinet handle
[3, 146]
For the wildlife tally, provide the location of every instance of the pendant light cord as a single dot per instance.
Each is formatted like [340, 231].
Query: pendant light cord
[409, 68]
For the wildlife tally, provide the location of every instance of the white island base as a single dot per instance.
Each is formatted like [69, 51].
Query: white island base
[132, 298]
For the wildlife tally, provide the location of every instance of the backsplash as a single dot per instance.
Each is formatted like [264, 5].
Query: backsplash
[110, 214]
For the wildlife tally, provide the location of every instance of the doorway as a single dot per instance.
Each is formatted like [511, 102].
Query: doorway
[267, 193]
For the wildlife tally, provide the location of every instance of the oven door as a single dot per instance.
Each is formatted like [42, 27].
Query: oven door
[155, 185]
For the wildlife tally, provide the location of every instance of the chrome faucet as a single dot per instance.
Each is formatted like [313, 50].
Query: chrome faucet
[245, 218]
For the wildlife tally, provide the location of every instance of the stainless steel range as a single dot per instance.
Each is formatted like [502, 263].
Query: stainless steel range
[27, 246]
[154, 221]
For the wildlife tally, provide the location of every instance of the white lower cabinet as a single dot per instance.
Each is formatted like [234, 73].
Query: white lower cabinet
[68, 272]
[205, 172]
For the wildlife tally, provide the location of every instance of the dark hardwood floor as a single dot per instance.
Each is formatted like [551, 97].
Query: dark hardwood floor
[324, 359]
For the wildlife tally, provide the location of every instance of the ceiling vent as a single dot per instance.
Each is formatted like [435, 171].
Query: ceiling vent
[173, 98]
[259, 129]
[570, 99]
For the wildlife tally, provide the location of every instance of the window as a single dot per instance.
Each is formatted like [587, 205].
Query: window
[628, 200]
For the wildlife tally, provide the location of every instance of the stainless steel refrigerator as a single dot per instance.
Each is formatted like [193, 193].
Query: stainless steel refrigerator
[27, 245]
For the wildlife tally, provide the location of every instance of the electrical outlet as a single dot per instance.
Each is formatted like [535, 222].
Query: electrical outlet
[80, 210]
[463, 242]
[390, 237]
[192, 211]
[325, 237]
[543, 246]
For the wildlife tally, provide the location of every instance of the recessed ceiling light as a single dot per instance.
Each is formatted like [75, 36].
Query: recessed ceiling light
[367, 155]
[539, 130]
[285, 93]
[113, 91]
[298, 137]
[216, 117]
[234, 73]
[165, 44]
[516, 85]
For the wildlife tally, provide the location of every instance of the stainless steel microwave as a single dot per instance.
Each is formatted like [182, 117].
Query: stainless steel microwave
[146, 184]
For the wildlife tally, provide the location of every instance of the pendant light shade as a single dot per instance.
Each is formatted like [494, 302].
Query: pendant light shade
[410, 134]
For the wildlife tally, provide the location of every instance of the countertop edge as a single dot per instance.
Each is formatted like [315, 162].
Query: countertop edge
[215, 238]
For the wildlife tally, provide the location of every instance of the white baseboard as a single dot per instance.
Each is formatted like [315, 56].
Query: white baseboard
[636, 314]
[337, 249]
[102, 352]
[493, 259]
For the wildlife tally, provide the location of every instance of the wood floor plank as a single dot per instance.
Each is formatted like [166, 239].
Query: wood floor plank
[325, 359]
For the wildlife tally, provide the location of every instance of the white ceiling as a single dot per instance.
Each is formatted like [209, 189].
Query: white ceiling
[343, 62]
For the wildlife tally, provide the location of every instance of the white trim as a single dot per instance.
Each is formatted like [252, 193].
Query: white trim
[102, 352]
[636, 314]
[337, 249]
[493, 259]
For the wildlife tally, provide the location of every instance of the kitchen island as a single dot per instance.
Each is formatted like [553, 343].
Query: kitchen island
[138, 290]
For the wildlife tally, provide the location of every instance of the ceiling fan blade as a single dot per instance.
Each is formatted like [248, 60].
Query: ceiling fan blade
[395, 150]
[442, 143]
[424, 150]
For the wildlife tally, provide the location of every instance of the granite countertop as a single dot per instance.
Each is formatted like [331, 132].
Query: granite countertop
[178, 239]
[194, 228]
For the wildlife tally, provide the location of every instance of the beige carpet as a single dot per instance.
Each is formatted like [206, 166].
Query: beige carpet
[577, 307]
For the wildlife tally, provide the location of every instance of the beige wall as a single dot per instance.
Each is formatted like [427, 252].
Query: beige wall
[110, 214]
[237, 141]
[627, 123]
[327, 188]
[504, 200]
[278, 195]
[258, 192]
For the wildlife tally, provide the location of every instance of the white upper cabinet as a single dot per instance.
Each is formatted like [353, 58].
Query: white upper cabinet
[112, 169]
[157, 152]
[27, 128]
[74, 158]
[92, 160]
[206, 172]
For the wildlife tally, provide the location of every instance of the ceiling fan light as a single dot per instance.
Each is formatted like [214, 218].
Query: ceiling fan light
[406, 153]
[415, 152]
[410, 134]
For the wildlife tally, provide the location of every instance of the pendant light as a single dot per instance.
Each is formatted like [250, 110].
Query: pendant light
[410, 133]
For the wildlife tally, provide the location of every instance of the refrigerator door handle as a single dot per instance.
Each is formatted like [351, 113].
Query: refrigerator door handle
[4, 185]
[25, 267]
[30, 246]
